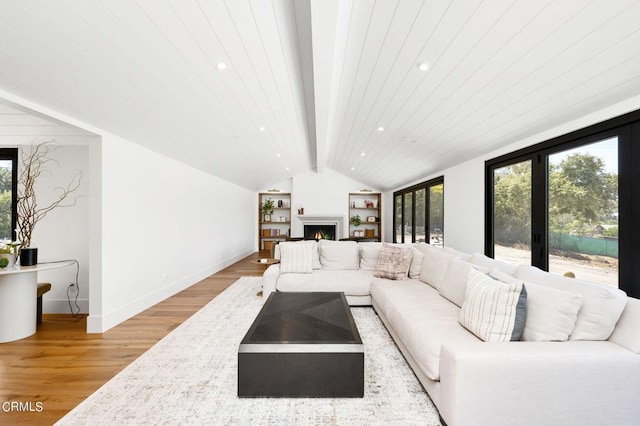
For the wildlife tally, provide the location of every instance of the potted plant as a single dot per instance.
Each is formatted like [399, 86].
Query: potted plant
[267, 209]
[8, 254]
[34, 163]
[356, 220]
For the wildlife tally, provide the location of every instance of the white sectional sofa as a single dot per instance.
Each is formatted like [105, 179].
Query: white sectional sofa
[577, 363]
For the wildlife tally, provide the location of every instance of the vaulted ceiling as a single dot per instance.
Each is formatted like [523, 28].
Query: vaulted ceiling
[310, 84]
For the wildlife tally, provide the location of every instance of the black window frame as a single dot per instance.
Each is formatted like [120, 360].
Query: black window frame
[12, 155]
[413, 189]
[627, 128]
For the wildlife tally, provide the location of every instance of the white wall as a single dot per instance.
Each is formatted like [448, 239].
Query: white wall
[322, 194]
[64, 232]
[165, 226]
[155, 225]
[464, 183]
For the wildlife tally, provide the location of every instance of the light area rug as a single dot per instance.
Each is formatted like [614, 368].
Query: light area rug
[190, 377]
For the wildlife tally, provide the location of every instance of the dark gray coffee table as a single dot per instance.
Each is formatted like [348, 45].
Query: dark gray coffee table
[302, 345]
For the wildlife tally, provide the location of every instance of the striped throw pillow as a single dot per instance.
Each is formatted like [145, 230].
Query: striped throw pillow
[492, 310]
[295, 258]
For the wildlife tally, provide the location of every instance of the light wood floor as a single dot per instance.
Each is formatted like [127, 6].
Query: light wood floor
[61, 364]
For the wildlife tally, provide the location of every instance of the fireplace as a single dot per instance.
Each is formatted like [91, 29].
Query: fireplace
[308, 225]
[320, 231]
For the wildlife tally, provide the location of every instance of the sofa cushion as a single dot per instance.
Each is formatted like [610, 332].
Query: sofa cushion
[352, 283]
[627, 332]
[601, 308]
[295, 258]
[460, 255]
[551, 313]
[492, 310]
[343, 255]
[487, 262]
[434, 267]
[421, 318]
[454, 284]
[393, 262]
[369, 255]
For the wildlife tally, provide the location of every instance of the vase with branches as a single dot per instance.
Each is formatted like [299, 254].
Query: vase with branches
[35, 162]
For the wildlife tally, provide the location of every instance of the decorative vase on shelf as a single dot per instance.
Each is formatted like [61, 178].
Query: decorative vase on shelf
[28, 256]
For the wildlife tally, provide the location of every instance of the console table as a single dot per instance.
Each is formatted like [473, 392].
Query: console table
[18, 291]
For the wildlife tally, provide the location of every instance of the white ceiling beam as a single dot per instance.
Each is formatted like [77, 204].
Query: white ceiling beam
[325, 16]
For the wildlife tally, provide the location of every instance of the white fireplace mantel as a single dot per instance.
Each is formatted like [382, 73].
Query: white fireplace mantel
[324, 220]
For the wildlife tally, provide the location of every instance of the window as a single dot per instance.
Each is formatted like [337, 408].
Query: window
[419, 213]
[8, 192]
[565, 205]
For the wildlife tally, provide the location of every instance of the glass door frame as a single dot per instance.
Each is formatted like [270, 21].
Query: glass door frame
[11, 154]
[627, 129]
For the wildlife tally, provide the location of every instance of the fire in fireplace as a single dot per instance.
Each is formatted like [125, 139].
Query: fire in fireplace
[320, 232]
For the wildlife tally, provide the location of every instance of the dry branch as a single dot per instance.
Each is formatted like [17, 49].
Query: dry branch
[34, 163]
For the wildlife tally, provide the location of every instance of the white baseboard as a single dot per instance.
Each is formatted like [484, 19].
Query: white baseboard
[102, 323]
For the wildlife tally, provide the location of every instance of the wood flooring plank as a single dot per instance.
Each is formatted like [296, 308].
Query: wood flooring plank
[61, 365]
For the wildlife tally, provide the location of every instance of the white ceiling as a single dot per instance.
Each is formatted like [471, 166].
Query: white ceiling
[320, 76]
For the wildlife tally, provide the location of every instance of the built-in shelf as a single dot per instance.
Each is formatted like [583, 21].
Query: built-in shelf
[367, 205]
[282, 208]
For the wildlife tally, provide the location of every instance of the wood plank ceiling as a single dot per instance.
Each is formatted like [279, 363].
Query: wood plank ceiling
[309, 83]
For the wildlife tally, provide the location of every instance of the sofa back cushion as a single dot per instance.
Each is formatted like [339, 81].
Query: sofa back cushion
[492, 310]
[339, 254]
[627, 332]
[601, 308]
[295, 258]
[551, 313]
[434, 267]
[454, 284]
[369, 255]
[487, 262]
[393, 261]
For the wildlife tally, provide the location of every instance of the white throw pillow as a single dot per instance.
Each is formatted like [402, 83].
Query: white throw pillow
[393, 262]
[492, 310]
[295, 258]
[601, 308]
[551, 313]
[315, 255]
[416, 263]
[369, 255]
[339, 254]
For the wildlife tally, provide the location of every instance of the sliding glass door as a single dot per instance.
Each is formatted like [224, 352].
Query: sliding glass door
[512, 213]
[558, 208]
[419, 213]
[583, 211]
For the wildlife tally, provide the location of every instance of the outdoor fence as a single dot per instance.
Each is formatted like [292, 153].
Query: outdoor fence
[605, 246]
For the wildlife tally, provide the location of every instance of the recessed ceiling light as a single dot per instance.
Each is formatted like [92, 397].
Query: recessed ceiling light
[287, 169]
[221, 66]
[262, 129]
[353, 168]
[423, 66]
[381, 129]
[362, 154]
[278, 155]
